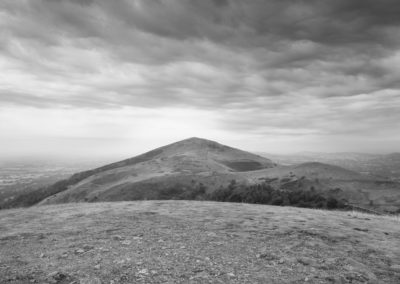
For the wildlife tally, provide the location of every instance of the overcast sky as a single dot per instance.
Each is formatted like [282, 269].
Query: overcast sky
[101, 77]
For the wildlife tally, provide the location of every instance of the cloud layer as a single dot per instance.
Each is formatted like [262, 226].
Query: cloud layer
[319, 69]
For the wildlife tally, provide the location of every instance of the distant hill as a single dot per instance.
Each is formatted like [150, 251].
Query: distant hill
[201, 169]
[187, 163]
[384, 166]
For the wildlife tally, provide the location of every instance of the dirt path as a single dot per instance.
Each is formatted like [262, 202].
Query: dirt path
[195, 242]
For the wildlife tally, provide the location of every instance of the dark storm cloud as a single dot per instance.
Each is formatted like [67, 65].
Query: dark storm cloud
[272, 60]
[326, 21]
[322, 21]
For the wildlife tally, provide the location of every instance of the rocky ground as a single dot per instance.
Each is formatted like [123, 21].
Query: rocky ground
[195, 242]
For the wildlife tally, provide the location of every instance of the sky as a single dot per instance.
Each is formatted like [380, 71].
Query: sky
[117, 78]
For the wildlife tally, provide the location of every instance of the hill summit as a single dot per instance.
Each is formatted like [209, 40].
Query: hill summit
[215, 156]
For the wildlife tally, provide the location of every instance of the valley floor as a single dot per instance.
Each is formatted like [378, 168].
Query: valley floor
[195, 242]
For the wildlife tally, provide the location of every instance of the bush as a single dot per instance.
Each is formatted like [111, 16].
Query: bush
[332, 203]
[265, 194]
[172, 192]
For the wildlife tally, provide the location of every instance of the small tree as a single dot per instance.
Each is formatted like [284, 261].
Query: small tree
[332, 203]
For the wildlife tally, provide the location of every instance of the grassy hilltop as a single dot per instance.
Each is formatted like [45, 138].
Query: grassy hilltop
[195, 242]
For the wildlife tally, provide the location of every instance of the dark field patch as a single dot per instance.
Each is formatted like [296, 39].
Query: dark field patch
[244, 166]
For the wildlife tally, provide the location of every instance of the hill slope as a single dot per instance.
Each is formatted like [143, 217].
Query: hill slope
[374, 164]
[363, 190]
[196, 168]
[142, 177]
[195, 242]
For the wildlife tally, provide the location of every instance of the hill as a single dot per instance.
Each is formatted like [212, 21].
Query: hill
[184, 163]
[195, 242]
[200, 169]
[387, 166]
[358, 189]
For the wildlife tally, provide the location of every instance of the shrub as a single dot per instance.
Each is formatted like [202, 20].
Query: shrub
[265, 194]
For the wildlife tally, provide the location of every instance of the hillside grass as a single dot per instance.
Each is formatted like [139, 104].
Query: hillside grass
[195, 242]
[383, 217]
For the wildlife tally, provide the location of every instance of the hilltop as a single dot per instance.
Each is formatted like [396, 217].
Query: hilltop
[195, 242]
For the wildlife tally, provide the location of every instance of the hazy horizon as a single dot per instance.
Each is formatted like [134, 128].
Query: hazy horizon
[104, 157]
[95, 79]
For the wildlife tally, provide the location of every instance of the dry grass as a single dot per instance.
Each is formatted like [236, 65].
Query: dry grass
[196, 242]
[358, 214]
